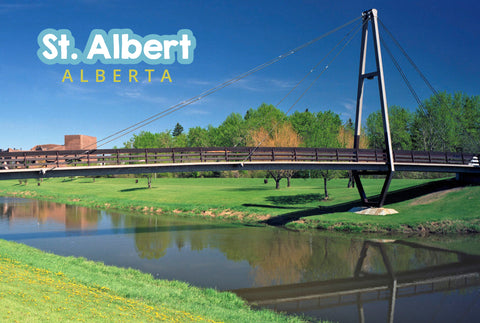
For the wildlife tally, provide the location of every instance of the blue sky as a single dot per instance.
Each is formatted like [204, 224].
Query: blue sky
[232, 37]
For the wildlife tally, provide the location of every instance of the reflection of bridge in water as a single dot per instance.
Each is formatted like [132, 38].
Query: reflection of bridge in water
[367, 287]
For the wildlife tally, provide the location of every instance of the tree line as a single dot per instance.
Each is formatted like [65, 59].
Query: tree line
[444, 122]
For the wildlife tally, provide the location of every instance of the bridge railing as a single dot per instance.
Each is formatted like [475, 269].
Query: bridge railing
[432, 157]
[103, 157]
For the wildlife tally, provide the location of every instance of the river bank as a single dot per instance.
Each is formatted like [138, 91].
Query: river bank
[206, 254]
[424, 206]
[39, 286]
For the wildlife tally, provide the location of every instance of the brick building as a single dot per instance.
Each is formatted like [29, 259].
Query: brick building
[71, 142]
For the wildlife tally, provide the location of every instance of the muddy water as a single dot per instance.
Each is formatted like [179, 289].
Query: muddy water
[335, 277]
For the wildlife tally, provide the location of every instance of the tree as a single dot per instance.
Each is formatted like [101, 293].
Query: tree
[232, 132]
[266, 116]
[448, 123]
[319, 130]
[400, 129]
[374, 130]
[435, 125]
[180, 140]
[305, 125]
[177, 131]
[280, 136]
[469, 115]
[346, 137]
[199, 137]
[146, 139]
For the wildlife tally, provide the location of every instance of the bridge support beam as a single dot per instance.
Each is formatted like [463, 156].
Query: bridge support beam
[383, 193]
[370, 18]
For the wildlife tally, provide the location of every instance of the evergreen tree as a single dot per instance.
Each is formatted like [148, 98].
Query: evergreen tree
[177, 131]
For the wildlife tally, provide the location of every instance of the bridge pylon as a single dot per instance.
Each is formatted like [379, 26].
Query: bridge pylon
[370, 18]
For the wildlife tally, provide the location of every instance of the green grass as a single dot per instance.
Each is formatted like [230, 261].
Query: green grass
[451, 211]
[250, 200]
[40, 287]
[242, 194]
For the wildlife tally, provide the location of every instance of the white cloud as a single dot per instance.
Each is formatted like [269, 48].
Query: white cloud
[200, 82]
[192, 111]
[256, 84]
[138, 94]
[73, 89]
[349, 104]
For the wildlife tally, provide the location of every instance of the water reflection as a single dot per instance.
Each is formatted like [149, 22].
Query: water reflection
[73, 217]
[347, 276]
[394, 279]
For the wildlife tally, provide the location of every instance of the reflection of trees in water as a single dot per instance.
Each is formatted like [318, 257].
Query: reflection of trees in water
[405, 258]
[117, 220]
[6, 210]
[277, 256]
[333, 258]
[180, 242]
[149, 242]
[280, 256]
[283, 260]
[152, 245]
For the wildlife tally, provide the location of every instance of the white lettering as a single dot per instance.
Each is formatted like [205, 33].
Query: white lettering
[126, 43]
[152, 45]
[47, 41]
[166, 47]
[98, 48]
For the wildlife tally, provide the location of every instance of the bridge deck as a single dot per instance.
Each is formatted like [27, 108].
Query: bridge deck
[38, 164]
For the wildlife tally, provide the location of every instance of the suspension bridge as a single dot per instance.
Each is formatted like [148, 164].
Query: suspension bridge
[93, 161]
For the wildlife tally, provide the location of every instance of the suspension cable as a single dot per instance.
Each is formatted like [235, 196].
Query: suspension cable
[421, 105]
[408, 58]
[404, 77]
[311, 84]
[316, 66]
[206, 93]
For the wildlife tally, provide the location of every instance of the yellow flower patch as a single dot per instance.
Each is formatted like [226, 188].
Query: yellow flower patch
[33, 294]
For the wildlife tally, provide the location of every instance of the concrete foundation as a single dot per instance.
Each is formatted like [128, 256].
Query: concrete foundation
[373, 210]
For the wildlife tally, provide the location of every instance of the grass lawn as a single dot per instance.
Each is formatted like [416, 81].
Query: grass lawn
[250, 200]
[37, 286]
[40, 287]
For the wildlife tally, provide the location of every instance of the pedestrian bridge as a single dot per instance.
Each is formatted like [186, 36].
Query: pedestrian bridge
[94, 162]
[97, 162]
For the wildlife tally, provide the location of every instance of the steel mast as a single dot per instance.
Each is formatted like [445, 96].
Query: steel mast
[370, 18]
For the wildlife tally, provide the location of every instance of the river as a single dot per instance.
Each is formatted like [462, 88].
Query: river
[339, 277]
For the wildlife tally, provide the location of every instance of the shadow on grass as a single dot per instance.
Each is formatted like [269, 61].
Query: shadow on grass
[69, 179]
[248, 189]
[392, 197]
[295, 199]
[134, 189]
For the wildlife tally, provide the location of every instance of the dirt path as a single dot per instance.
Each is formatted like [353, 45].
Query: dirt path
[433, 197]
